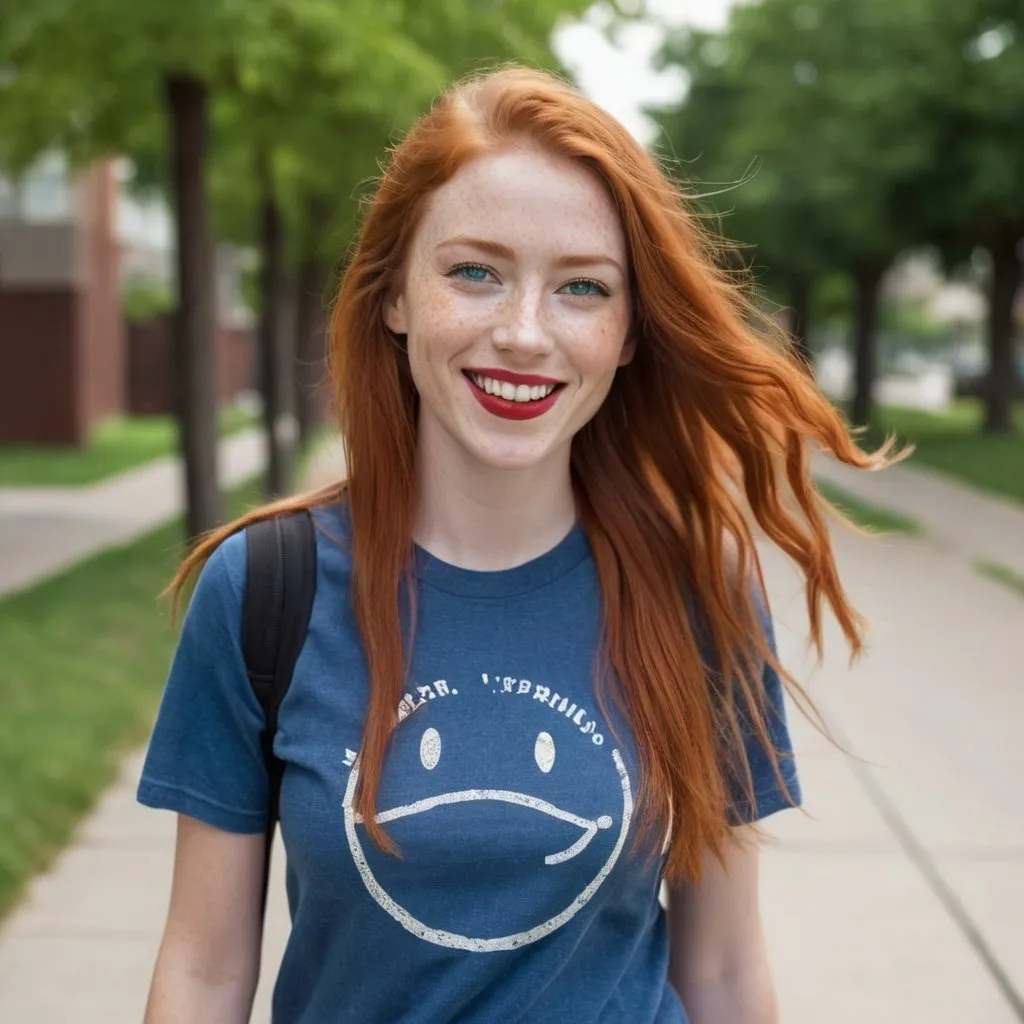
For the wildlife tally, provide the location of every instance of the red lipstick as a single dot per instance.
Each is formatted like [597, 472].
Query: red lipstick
[529, 379]
[510, 409]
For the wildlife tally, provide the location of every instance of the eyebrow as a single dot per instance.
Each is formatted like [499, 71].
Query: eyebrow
[503, 252]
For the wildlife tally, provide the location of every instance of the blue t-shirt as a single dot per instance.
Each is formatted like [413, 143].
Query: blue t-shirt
[519, 895]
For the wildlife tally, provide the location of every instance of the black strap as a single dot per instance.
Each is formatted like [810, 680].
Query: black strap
[279, 590]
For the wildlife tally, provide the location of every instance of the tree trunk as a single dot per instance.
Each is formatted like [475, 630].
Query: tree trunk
[1001, 386]
[799, 318]
[276, 351]
[867, 282]
[195, 320]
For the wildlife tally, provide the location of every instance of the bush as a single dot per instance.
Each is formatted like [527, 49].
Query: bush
[145, 298]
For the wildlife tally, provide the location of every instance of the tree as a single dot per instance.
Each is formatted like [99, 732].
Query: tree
[101, 70]
[195, 320]
[828, 103]
[86, 78]
[978, 184]
[298, 104]
[763, 199]
[108, 68]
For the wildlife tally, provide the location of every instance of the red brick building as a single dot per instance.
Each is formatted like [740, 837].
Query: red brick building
[67, 358]
[61, 334]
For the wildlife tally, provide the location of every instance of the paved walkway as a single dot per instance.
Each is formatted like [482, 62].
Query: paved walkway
[901, 899]
[45, 529]
[956, 519]
[898, 900]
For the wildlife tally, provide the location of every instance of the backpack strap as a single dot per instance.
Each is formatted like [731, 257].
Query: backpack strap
[279, 589]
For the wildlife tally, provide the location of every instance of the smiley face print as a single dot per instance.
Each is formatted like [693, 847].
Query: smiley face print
[527, 842]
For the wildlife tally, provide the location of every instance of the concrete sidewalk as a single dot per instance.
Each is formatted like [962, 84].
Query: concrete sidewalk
[89, 917]
[956, 518]
[83, 943]
[43, 530]
[897, 900]
[900, 899]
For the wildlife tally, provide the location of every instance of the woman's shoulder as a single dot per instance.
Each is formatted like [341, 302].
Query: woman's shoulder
[226, 570]
[222, 576]
[333, 528]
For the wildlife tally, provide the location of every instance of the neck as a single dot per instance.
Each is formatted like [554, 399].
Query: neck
[486, 519]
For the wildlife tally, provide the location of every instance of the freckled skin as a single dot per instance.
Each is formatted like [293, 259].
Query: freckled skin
[517, 311]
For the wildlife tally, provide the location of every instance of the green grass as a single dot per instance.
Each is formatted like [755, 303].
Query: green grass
[85, 656]
[952, 443]
[870, 517]
[1002, 574]
[116, 445]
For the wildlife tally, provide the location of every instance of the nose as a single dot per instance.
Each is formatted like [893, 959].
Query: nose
[523, 328]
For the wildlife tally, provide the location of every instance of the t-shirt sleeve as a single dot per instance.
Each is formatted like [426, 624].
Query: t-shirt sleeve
[770, 793]
[204, 757]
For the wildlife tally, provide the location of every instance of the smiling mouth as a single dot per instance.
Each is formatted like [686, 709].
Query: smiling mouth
[590, 827]
[523, 399]
[521, 393]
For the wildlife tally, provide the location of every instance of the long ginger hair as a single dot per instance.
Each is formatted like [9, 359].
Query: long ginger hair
[703, 438]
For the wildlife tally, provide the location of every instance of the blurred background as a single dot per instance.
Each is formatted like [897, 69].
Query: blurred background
[179, 185]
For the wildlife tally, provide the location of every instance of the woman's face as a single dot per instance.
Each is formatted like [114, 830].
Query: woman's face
[515, 300]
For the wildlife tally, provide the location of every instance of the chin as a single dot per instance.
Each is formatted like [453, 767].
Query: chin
[512, 457]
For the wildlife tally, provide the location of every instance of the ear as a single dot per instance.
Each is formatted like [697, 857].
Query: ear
[628, 350]
[394, 313]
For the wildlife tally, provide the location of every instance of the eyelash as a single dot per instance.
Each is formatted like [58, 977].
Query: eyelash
[602, 290]
[468, 266]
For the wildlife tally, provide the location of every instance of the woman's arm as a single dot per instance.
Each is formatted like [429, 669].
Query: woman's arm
[209, 958]
[718, 959]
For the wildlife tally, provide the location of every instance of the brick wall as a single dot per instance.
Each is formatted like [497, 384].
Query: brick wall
[61, 336]
[150, 372]
[151, 375]
[38, 366]
[235, 361]
[67, 359]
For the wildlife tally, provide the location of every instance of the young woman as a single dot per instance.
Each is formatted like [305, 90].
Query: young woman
[539, 676]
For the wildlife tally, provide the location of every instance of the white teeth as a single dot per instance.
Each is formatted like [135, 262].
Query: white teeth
[511, 392]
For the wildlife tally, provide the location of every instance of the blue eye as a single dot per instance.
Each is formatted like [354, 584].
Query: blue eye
[469, 272]
[584, 288]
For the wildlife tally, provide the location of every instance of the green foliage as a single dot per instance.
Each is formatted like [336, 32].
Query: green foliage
[858, 128]
[951, 443]
[869, 517]
[317, 88]
[912, 318]
[1001, 574]
[977, 67]
[832, 300]
[146, 297]
[816, 102]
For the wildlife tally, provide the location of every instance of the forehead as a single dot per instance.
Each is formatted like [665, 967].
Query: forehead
[528, 200]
